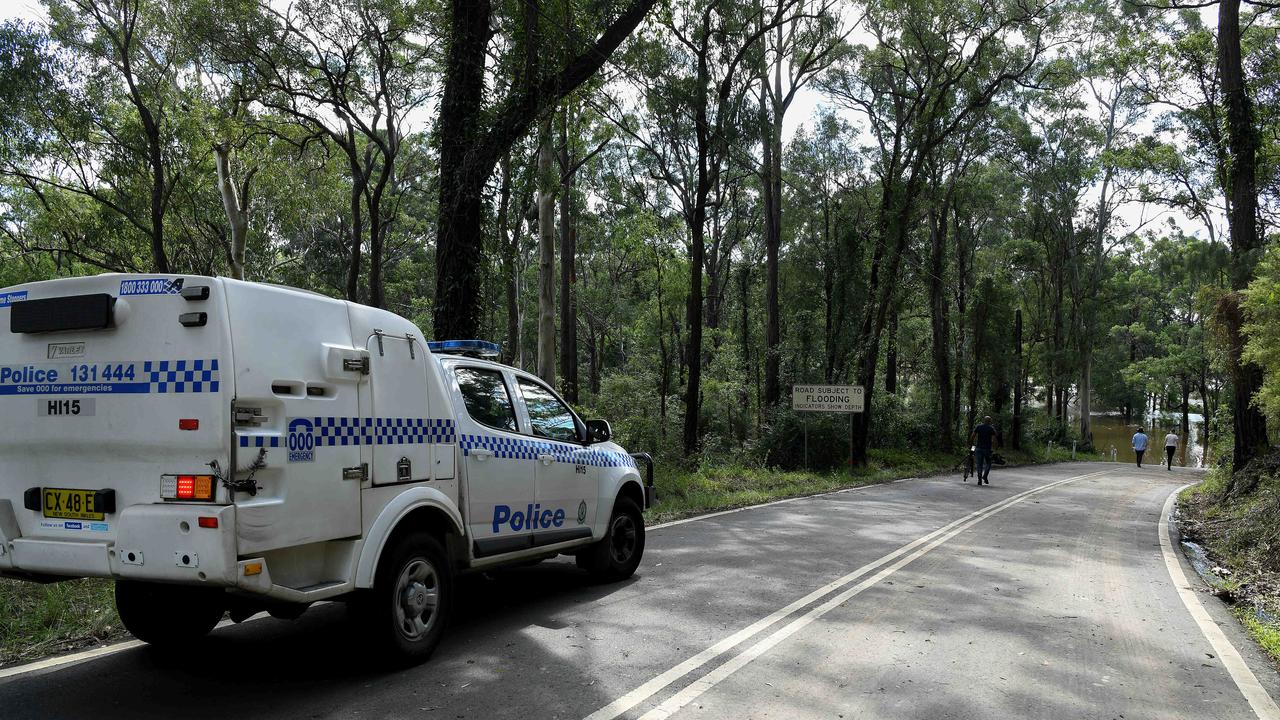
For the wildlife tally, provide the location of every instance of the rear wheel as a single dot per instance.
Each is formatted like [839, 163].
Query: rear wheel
[412, 599]
[167, 615]
[617, 556]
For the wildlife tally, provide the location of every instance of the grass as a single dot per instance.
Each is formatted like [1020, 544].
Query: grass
[42, 620]
[1265, 633]
[683, 493]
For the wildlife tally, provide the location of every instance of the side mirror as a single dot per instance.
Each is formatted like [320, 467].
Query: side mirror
[598, 431]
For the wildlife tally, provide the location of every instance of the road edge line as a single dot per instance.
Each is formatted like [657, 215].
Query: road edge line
[1259, 699]
[72, 659]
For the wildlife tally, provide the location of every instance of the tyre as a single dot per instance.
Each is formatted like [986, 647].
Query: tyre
[411, 601]
[167, 615]
[617, 556]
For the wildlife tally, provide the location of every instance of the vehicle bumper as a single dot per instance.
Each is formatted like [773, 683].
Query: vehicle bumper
[160, 543]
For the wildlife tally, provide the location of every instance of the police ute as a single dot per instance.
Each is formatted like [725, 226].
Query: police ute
[218, 446]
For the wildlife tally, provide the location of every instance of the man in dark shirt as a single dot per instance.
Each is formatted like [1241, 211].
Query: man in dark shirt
[985, 439]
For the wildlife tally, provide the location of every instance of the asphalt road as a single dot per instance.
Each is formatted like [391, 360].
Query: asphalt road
[921, 599]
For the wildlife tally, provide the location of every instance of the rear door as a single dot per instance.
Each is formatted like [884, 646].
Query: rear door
[108, 383]
[298, 409]
[401, 431]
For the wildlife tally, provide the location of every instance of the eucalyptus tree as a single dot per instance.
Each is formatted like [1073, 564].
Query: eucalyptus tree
[806, 40]
[691, 71]
[105, 125]
[351, 73]
[1213, 105]
[475, 134]
[934, 66]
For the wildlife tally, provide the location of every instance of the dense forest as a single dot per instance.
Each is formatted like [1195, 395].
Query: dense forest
[675, 209]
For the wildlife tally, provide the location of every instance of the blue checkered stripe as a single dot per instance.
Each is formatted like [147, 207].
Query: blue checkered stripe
[182, 376]
[519, 449]
[333, 431]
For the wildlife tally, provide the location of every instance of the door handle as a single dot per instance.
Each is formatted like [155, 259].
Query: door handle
[546, 459]
[481, 454]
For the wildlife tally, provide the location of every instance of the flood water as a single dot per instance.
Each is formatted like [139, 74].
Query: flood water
[1110, 431]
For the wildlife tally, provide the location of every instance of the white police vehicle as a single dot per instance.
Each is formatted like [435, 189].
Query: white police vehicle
[223, 446]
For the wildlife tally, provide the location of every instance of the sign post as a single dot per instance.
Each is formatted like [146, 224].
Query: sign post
[827, 398]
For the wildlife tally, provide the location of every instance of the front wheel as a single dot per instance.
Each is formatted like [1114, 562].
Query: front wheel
[617, 556]
[167, 615]
[411, 600]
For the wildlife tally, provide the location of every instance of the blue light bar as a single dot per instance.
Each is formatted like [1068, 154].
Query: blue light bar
[476, 348]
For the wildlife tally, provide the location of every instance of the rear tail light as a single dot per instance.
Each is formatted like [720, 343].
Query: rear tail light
[208, 522]
[187, 487]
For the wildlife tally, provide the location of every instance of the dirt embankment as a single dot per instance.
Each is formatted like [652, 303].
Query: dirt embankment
[1233, 527]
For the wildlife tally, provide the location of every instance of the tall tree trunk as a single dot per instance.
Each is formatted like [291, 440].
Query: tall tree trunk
[546, 257]
[235, 206]
[664, 354]
[357, 230]
[1246, 378]
[940, 320]
[1086, 391]
[771, 192]
[693, 321]
[962, 332]
[377, 237]
[508, 249]
[568, 271]
[897, 212]
[1016, 439]
[891, 354]
[744, 281]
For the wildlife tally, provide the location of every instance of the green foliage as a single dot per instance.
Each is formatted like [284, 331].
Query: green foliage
[41, 620]
[1262, 308]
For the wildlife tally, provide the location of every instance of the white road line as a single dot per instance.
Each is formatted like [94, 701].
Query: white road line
[87, 655]
[1263, 706]
[75, 658]
[913, 550]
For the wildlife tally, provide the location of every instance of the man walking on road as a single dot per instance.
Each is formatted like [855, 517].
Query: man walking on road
[982, 438]
[1170, 447]
[1139, 445]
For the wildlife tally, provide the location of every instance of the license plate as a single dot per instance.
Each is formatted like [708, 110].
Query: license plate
[70, 504]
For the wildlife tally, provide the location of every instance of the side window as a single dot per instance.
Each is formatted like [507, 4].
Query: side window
[548, 416]
[486, 397]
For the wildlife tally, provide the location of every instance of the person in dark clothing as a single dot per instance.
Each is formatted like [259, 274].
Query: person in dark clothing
[985, 439]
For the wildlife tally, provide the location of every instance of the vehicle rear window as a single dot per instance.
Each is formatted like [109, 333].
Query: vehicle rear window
[486, 397]
[548, 416]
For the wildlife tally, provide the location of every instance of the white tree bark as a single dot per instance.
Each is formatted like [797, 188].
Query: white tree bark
[236, 208]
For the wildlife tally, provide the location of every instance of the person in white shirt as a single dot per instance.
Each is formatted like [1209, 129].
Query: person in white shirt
[1139, 445]
[1170, 447]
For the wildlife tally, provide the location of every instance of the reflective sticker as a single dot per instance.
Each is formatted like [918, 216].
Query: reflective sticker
[302, 443]
[135, 376]
[151, 286]
[9, 298]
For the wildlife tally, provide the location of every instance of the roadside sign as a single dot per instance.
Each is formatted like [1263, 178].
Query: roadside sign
[827, 398]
